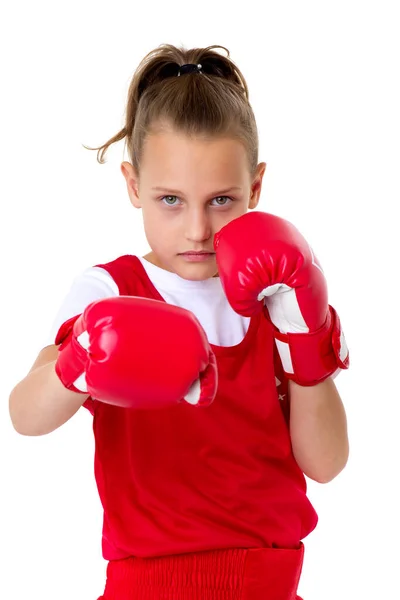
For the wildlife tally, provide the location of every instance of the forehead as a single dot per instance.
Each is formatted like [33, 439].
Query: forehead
[170, 154]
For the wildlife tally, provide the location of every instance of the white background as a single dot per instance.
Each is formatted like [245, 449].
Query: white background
[323, 79]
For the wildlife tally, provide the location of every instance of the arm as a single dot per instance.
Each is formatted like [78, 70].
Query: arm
[266, 265]
[40, 403]
[318, 430]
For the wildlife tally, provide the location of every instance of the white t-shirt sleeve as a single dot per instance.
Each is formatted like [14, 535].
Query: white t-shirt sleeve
[92, 284]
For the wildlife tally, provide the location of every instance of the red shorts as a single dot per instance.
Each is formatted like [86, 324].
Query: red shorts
[233, 574]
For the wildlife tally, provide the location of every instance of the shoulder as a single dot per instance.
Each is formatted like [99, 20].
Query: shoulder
[91, 284]
[129, 275]
[106, 275]
[95, 278]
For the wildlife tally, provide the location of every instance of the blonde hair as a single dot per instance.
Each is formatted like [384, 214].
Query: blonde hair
[213, 102]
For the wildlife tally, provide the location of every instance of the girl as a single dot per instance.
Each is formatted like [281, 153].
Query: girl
[207, 364]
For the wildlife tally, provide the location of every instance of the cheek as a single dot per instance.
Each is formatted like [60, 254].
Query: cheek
[150, 224]
[223, 218]
[159, 230]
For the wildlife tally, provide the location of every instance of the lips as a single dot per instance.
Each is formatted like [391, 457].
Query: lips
[196, 253]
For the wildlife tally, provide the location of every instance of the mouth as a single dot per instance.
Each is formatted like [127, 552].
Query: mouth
[196, 253]
[197, 256]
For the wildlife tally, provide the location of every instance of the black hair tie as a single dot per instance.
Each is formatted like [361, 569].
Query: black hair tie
[189, 68]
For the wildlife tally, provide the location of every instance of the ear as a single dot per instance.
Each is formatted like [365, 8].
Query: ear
[132, 183]
[256, 185]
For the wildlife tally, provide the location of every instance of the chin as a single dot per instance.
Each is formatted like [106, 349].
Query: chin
[197, 272]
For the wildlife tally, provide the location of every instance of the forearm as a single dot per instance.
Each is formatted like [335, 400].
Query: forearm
[318, 430]
[40, 403]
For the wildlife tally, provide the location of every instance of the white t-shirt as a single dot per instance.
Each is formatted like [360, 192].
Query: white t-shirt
[205, 299]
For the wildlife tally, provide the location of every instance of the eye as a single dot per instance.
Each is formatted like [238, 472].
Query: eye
[219, 198]
[168, 200]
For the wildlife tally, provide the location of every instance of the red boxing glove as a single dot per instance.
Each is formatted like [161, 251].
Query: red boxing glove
[263, 260]
[137, 353]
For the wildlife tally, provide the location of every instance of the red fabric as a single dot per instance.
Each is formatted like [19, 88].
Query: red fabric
[235, 574]
[192, 479]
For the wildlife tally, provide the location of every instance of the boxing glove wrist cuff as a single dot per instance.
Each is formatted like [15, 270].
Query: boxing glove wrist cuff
[72, 356]
[310, 358]
[209, 381]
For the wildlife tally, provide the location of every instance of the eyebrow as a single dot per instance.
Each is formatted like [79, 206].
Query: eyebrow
[168, 191]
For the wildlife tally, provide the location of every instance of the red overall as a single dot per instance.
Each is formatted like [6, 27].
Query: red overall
[203, 503]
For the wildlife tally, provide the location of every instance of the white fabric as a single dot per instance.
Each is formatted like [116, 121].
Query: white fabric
[344, 351]
[285, 356]
[205, 299]
[193, 395]
[284, 309]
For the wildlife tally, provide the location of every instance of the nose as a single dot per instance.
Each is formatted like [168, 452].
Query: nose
[197, 225]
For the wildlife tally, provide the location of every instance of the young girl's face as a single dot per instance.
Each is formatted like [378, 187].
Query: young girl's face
[188, 189]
